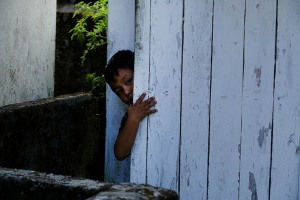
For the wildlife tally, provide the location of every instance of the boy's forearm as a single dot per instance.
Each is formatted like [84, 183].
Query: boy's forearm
[126, 138]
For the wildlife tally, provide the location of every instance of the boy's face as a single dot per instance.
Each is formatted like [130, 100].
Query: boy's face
[123, 85]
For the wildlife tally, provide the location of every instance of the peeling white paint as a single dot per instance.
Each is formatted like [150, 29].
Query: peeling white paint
[229, 112]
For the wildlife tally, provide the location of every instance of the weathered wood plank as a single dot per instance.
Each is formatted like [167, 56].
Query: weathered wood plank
[195, 99]
[241, 110]
[165, 84]
[286, 136]
[142, 54]
[120, 36]
[226, 99]
[257, 107]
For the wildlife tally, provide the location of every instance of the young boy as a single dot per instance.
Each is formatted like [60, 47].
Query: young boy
[119, 76]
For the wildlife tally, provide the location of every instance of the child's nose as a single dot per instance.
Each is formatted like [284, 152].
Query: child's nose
[127, 92]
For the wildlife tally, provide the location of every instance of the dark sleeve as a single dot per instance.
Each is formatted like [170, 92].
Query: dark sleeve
[124, 119]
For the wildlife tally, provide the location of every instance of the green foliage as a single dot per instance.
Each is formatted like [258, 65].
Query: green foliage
[91, 30]
[97, 84]
[92, 26]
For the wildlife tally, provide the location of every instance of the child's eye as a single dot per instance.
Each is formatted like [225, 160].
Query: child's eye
[128, 81]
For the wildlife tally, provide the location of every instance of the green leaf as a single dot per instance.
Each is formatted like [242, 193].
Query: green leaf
[94, 15]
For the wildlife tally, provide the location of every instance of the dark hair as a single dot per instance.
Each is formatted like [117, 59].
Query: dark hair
[123, 59]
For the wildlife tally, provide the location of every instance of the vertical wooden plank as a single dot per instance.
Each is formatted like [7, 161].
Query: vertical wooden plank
[257, 107]
[165, 84]
[226, 99]
[286, 136]
[120, 36]
[195, 98]
[141, 80]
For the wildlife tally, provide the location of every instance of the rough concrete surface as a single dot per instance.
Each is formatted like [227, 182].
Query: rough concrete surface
[27, 50]
[31, 185]
[62, 135]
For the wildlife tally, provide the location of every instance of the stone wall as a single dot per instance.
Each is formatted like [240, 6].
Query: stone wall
[30, 185]
[63, 135]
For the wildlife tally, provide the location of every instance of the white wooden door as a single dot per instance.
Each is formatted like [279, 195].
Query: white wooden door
[226, 78]
[160, 148]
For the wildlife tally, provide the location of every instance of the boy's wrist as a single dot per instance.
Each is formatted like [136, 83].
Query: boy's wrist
[133, 119]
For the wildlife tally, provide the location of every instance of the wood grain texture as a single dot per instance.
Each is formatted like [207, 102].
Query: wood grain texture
[195, 98]
[226, 81]
[286, 136]
[141, 79]
[257, 107]
[226, 99]
[165, 85]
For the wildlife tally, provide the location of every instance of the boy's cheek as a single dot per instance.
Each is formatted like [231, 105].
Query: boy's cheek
[125, 100]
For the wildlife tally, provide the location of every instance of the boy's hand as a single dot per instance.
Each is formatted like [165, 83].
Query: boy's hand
[127, 135]
[141, 109]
